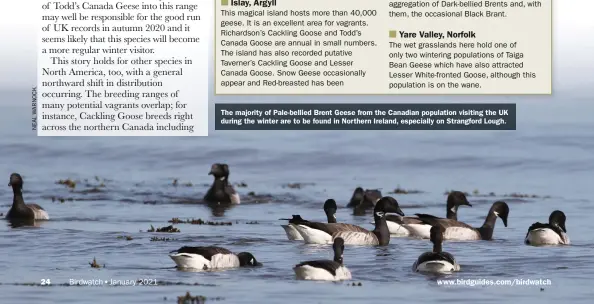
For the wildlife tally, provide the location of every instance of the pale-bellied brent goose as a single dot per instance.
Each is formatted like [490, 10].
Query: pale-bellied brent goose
[293, 234]
[325, 270]
[553, 233]
[211, 257]
[455, 230]
[321, 233]
[221, 190]
[380, 235]
[368, 200]
[436, 261]
[356, 198]
[20, 210]
[412, 226]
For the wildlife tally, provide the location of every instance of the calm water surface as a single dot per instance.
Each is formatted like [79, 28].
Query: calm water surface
[549, 155]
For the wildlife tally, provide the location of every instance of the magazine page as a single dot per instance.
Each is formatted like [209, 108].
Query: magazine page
[381, 151]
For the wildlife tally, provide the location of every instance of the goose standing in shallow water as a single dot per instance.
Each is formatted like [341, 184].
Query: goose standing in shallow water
[553, 233]
[293, 234]
[325, 270]
[221, 191]
[460, 231]
[380, 236]
[211, 257]
[436, 261]
[20, 210]
[412, 226]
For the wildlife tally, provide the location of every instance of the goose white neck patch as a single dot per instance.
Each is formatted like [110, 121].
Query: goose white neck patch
[496, 213]
[380, 214]
[252, 261]
[453, 209]
[222, 178]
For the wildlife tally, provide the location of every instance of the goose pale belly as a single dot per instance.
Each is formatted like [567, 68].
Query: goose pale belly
[418, 230]
[397, 229]
[313, 236]
[41, 215]
[461, 234]
[545, 236]
[307, 272]
[436, 267]
[196, 261]
[292, 233]
[357, 238]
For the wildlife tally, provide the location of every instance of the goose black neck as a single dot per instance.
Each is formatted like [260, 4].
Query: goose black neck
[17, 200]
[452, 214]
[381, 230]
[437, 247]
[486, 230]
[331, 217]
[338, 255]
[220, 182]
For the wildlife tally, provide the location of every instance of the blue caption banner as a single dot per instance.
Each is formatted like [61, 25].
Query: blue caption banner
[413, 116]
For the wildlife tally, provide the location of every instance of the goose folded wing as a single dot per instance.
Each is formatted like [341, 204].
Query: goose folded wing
[206, 252]
[443, 222]
[38, 211]
[403, 220]
[433, 256]
[296, 219]
[446, 256]
[229, 189]
[332, 228]
[328, 265]
[336, 227]
[35, 207]
[539, 225]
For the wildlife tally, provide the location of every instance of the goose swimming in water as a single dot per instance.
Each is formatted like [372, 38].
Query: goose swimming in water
[356, 198]
[412, 226]
[20, 210]
[369, 198]
[436, 261]
[221, 191]
[553, 233]
[293, 234]
[211, 257]
[321, 233]
[325, 270]
[460, 231]
[380, 236]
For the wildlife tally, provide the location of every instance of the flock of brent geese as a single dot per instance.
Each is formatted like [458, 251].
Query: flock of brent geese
[389, 222]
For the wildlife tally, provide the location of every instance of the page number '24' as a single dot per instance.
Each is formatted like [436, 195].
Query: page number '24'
[45, 282]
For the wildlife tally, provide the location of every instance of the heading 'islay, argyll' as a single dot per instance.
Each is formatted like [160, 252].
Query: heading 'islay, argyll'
[246, 3]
